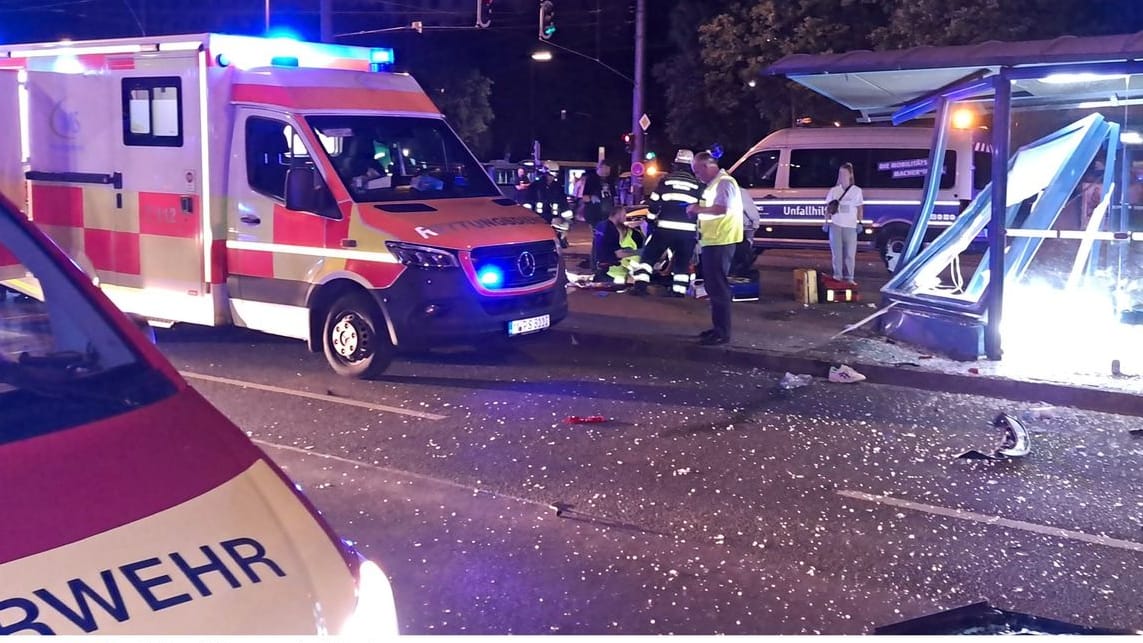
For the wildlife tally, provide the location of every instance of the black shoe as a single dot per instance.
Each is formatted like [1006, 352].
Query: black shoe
[714, 340]
[638, 290]
[707, 333]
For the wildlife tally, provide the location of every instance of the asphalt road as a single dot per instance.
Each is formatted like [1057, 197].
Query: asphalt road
[708, 502]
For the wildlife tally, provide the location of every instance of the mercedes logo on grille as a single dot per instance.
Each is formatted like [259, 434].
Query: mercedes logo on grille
[526, 264]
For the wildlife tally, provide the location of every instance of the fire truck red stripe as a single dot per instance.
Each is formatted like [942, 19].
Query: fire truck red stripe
[57, 205]
[113, 251]
[72, 484]
[162, 214]
[298, 228]
[252, 263]
[343, 97]
[218, 261]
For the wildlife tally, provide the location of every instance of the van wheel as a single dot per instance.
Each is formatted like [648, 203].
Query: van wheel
[354, 339]
[892, 245]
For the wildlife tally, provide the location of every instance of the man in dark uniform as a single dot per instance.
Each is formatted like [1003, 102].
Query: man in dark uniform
[547, 198]
[671, 227]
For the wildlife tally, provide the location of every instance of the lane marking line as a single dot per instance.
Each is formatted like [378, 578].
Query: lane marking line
[986, 519]
[313, 396]
[401, 473]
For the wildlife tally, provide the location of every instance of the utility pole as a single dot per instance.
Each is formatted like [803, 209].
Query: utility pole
[325, 8]
[637, 97]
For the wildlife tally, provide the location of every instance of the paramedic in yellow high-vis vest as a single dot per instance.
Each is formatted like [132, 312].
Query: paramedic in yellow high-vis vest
[720, 224]
[615, 247]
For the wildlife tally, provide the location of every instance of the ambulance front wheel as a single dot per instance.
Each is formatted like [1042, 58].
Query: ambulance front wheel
[354, 338]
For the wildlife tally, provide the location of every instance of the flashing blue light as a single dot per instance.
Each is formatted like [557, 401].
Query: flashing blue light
[279, 33]
[381, 56]
[716, 151]
[490, 277]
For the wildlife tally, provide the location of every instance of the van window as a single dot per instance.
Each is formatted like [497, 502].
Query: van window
[62, 364]
[153, 112]
[818, 168]
[267, 149]
[402, 158]
[878, 168]
[758, 171]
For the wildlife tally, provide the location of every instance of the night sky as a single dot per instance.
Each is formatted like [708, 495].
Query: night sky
[598, 103]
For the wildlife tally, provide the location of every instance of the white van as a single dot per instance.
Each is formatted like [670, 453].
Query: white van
[789, 172]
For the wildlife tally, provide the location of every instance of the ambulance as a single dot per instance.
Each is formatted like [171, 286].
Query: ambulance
[293, 188]
[131, 505]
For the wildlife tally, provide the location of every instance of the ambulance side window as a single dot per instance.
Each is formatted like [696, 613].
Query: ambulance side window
[153, 112]
[267, 148]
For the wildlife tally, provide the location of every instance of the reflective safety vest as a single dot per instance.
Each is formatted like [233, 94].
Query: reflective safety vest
[721, 229]
[619, 271]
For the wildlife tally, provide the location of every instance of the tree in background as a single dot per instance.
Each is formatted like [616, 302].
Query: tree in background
[462, 95]
[712, 70]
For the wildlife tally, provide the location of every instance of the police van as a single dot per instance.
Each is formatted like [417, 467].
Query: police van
[130, 504]
[789, 172]
[298, 189]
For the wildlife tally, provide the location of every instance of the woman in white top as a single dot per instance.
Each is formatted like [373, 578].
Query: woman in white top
[844, 224]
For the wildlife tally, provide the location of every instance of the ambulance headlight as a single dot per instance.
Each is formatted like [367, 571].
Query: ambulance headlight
[375, 616]
[422, 256]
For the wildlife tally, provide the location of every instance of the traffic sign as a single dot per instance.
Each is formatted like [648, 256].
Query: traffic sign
[645, 122]
[637, 169]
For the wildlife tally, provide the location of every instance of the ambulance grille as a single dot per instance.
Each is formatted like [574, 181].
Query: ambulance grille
[517, 260]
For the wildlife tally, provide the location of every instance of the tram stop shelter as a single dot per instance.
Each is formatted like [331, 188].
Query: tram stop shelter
[1062, 215]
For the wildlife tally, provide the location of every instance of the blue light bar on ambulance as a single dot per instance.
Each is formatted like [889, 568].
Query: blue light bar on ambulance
[381, 56]
[248, 52]
[381, 59]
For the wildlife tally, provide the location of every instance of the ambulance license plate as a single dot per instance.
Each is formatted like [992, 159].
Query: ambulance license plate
[530, 325]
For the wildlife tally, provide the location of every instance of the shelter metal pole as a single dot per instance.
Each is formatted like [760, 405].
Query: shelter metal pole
[932, 184]
[997, 233]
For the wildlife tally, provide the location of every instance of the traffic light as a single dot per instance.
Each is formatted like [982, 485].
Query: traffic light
[547, 19]
[483, 13]
[628, 139]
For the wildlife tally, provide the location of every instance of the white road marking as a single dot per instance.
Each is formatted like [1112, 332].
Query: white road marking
[986, 519]
[400, 473]
[332, 399]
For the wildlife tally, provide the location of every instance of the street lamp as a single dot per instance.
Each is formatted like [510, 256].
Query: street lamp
[540, 56]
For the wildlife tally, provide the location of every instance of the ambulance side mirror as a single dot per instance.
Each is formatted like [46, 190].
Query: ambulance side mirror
[301, 189]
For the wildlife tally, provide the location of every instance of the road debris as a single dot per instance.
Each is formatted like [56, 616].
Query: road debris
[1042, 412]
[1017, 442]
[790, 381]
[844, 375]
[590, 419]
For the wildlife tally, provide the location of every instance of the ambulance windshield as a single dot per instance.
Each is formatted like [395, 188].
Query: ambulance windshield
[61, 363]
[400, 158]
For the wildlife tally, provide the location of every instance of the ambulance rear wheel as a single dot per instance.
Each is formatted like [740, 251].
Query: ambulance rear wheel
[354, 338]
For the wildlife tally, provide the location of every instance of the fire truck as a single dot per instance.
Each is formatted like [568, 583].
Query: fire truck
[298, 189]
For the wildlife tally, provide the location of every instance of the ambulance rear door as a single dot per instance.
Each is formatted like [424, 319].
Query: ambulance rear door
[11, 154]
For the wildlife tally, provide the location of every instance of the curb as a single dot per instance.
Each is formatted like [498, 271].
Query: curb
[995, 387]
